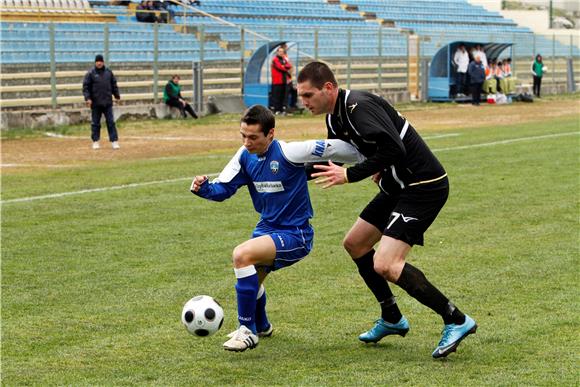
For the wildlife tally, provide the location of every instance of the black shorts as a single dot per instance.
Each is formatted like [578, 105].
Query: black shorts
[407, 215]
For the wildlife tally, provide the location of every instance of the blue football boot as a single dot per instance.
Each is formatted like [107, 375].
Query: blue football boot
[383, 328]
[452, 336]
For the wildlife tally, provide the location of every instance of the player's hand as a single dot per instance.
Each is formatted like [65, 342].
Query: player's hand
[331, 174]
[376, 178]
[89, 103]
[197, 183]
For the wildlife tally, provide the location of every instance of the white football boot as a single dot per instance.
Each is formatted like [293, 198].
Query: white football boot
[242, 339]
[266, 333]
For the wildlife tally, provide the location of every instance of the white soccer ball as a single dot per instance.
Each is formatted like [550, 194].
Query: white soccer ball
[202, 316]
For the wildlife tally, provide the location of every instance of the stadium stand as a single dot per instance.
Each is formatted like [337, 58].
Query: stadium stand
[374, 44]
[52, 10]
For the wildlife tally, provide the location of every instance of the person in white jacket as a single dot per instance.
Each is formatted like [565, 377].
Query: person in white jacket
[461, 61]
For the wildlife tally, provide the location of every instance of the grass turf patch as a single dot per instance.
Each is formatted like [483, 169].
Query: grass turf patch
[93, 284]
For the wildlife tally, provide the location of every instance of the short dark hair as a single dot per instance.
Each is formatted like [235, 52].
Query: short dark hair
[261, 115]
[318, 74]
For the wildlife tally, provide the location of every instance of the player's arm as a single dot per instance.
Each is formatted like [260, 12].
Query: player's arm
[312, 151]
[225, 185]
[377, 127]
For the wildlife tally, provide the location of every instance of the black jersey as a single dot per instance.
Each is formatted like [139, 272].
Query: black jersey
[390, 144]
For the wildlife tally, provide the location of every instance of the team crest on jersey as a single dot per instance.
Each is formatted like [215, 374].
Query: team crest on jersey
[274, 166]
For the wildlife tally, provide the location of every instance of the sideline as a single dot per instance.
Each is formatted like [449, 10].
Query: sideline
[134, 185]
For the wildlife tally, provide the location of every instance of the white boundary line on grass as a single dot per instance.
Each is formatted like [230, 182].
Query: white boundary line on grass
[189, 138]
[84, 191]
[152, 138]
[133, 185]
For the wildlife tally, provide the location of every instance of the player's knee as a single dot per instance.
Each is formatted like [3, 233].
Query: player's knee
[241, 256]
[353, 247]
[389, 269]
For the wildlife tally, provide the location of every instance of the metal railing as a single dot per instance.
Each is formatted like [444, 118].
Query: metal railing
[376, 58]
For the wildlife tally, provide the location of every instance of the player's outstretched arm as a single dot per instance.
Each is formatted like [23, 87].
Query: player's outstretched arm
[225, 185]
[197, 183]
[312, 151]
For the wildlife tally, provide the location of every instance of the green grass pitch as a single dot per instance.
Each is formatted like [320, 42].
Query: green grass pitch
[93, 284]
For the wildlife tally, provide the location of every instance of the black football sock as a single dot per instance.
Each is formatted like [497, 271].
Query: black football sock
[378, 285]
[414, 282]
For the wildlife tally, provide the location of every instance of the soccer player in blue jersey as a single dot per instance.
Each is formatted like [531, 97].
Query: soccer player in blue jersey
[275, 175]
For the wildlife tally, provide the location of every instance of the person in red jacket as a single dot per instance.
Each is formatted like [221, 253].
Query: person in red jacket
[280, 73]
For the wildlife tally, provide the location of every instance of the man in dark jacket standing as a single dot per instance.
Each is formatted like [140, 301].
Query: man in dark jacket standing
[476, 72]
[99, 87]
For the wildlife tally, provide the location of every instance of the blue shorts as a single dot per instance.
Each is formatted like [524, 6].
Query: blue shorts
[291, 244]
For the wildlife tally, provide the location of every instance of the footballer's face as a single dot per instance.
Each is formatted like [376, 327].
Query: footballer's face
[254, 139]
[318, 101]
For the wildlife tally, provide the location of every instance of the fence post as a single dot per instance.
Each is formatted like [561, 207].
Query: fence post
[553, 60]
[571, 84]
[52, 33]
[380, 64]
[408, 63]
[242, 54]
[349, 59]
[198, 86]
[155, 62]
[106, 43]
[201, 43]
[316, 44]
[424, 79]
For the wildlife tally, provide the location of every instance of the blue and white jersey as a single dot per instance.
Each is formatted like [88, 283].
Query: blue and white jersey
[277, 179]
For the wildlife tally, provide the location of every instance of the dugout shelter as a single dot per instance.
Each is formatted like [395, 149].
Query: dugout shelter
[442, 72]
[257, 77]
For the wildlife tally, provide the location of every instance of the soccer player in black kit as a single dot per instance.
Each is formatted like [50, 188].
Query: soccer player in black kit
[413, 189]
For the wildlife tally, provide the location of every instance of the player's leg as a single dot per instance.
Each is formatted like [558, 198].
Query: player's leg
[246, 256]
[259, 250]
[412, 216]
[263, 326]
[359, 243]
[390, 263]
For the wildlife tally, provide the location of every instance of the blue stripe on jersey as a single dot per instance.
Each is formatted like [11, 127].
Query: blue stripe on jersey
[319, 149]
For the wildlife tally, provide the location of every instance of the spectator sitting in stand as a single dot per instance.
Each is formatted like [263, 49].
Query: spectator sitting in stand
[144, 13]
[509, 78]
[490, 84]
[166, 14]
[499, 77]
